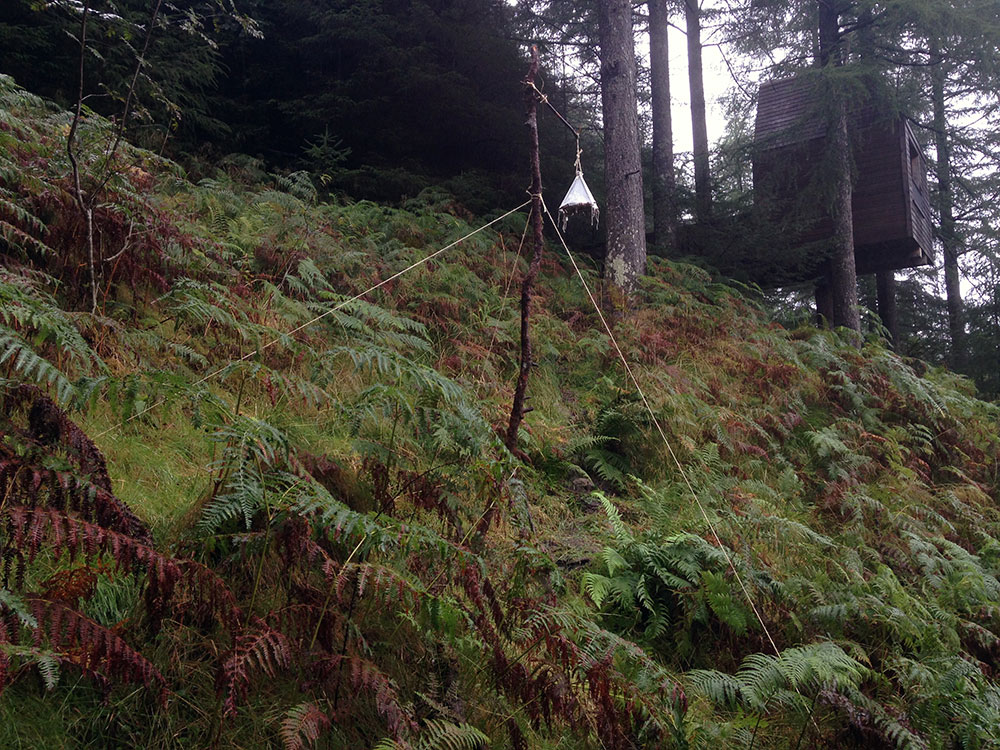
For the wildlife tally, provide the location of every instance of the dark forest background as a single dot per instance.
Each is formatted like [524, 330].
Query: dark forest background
[379, 100]
[384, 99]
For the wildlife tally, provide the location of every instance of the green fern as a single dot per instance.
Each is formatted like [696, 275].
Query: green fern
[254, 454]
[656, 585]
[47, 662]
[610, 452]
[12, 603]
[20, 228]
[438, 734]
[764, 681]
[31, 322]
[22, 359]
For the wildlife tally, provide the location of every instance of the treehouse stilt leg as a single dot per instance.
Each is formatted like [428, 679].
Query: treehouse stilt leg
[886, 284]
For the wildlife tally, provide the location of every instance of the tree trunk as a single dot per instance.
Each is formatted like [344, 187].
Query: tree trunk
[664, 187]
[843, 274]
[946, 209]
[625, 259]
[885, 283]
[699, 127]
[537, 226]
[824, 301]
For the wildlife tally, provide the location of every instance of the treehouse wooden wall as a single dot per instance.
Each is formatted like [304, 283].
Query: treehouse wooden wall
[921, 225]
[892, 228]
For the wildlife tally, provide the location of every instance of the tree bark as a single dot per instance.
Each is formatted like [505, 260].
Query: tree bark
[946, 209]
[664, 187]
[625, 258]
[699, 126]
[885, 283]
[843, 273]
[534, 259]
[824, 302]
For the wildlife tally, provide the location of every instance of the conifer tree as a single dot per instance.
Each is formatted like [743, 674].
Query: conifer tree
[960, 78]
[889, 49]
[946, 207]
[699, 125]
[625, 258]
[664, 187]
[841, 274]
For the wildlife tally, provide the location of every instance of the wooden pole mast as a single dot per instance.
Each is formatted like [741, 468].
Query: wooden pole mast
[518, 410]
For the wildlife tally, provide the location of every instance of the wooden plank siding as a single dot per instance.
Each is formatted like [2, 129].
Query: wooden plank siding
[921, 225]
[892, 214]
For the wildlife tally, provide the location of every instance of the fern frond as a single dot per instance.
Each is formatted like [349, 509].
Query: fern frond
[302, 726]
[763, 679]
[23, 482]
[367, 676]
[622, 534]
[21, 240]
[266, 651]
[45, 660]
[11, 602]
[438, 734]
[19, 213]
[22, 359]
[720, 688]
[92, 647]
[388, 363]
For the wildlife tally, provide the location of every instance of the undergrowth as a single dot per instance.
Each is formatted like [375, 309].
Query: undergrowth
[240, 508]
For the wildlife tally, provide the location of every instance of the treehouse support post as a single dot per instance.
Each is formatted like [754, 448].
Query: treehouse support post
[885, 282]
[518, 410]
[824, 301]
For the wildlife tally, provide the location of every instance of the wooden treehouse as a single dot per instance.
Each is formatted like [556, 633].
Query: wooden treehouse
[892, 216]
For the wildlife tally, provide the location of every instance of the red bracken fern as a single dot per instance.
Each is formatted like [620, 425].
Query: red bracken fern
[91, 647]
[73, 513]
[262, 650]
[367, 677]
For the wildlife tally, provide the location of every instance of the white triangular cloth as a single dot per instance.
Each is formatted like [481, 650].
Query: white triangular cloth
[578, 199]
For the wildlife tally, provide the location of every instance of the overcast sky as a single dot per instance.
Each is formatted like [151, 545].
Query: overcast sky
[717, 82]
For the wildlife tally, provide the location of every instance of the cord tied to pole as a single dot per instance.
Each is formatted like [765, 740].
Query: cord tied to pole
[579, 198]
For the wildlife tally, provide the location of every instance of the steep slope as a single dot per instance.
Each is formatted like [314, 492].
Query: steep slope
[242, 508]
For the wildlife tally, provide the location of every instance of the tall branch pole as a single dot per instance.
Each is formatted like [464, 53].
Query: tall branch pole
[86, 206]
[534, 259]
[89, 202]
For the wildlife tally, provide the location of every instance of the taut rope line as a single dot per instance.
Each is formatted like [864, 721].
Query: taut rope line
[320, 317]
[510, 281]
[659, 429]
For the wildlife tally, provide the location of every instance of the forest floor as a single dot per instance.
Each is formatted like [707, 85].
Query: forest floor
[243, 506]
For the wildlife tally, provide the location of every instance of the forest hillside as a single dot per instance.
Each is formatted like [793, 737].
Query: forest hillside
[243, 504]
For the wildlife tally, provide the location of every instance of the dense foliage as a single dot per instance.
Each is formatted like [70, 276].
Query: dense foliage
[377, 99]
[241, 508]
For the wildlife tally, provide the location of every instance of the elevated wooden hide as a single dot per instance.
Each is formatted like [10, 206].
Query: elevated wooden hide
[892, 216]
